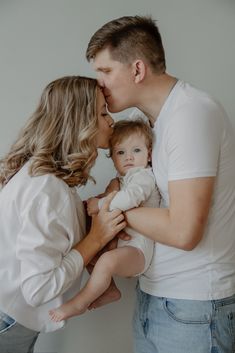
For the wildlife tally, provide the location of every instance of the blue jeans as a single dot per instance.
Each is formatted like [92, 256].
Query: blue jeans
[15, 338]
[164, 325]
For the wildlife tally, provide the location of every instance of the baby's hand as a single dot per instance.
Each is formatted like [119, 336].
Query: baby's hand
[92, 206]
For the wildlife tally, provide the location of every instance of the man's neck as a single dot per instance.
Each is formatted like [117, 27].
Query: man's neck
[154, 95]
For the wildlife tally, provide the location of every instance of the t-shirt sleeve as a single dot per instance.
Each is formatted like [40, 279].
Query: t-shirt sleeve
[193, 142]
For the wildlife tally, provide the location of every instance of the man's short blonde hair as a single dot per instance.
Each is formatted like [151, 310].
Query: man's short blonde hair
[130, 38]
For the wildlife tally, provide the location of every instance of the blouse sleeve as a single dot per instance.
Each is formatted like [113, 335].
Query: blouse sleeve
[48, 265]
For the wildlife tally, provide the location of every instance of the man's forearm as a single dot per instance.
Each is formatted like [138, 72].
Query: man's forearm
[151, 222]
[156, 223]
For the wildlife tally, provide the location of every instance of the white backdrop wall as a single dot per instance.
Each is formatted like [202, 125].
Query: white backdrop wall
[44, 40]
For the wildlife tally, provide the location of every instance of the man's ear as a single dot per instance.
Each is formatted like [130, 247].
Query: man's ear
[139, 70]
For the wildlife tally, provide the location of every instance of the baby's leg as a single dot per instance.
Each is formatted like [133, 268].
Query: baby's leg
[125, 262]
[112, 294]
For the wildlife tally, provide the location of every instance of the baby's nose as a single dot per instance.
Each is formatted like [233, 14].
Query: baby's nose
[129, 156]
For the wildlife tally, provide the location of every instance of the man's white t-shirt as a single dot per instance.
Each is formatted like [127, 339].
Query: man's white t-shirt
[194, 138]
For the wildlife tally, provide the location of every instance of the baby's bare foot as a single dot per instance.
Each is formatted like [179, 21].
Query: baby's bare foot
[56, 315]
[66, 311]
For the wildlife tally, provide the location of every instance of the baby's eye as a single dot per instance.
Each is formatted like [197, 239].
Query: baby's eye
[120, 152]
[136, 150]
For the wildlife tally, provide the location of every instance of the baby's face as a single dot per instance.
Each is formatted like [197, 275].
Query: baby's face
[131, 152]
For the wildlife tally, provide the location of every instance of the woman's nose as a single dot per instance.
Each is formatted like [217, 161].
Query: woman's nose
[111, 121]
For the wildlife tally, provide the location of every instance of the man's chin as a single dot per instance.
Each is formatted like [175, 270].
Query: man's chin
[113, 109]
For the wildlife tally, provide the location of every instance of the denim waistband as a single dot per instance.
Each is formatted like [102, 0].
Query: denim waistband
[224, 301]
[6, 318]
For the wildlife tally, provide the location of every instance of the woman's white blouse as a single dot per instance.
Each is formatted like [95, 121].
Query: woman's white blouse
[41, 218]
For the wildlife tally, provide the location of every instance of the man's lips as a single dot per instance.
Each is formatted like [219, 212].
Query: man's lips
[106, 96]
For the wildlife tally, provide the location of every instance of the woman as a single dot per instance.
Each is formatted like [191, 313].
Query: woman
[42, 221]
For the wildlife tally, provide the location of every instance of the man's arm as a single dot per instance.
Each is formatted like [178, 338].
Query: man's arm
[182, 224]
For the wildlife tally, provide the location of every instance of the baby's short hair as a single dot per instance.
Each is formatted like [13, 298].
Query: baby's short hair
[123, 129]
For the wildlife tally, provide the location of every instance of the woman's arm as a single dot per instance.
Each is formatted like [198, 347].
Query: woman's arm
[105, 225]
[48, 265]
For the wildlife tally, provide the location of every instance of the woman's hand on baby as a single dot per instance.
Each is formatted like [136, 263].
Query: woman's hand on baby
[92, 206]
[106, 224]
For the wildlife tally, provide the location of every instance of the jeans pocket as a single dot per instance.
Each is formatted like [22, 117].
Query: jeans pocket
[6, 322]
[225, 309]
[186, 311]
[231, 323]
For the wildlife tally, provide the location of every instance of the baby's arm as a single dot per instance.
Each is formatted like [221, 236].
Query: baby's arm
[92, 202]
[139, 186]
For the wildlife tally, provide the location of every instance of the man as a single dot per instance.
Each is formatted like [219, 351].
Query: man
[186, 299]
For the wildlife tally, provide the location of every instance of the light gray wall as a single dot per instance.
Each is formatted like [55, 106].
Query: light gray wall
[43, 40]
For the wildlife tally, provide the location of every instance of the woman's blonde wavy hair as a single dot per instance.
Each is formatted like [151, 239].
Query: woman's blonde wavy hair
[60, 136]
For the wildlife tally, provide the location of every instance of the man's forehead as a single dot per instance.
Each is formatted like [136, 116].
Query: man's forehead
[102, 60]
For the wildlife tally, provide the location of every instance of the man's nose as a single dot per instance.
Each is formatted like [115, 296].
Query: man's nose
[100, 81]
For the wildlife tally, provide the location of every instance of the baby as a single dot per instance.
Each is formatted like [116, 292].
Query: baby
[130, 150]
